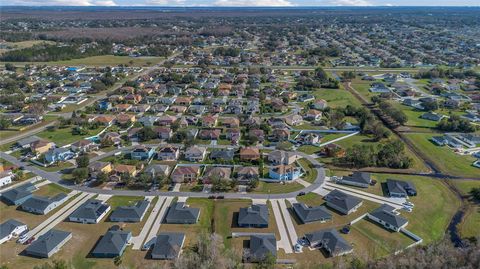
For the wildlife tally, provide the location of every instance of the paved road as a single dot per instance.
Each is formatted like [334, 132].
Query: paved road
[288, 222]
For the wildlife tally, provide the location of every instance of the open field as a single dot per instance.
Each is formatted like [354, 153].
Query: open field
[310, 174]
[447, 160]
[104, 60]
[4, 134]
[273, 188]
[51, 190]
[336, 97]
[23, 44]
[64, 136]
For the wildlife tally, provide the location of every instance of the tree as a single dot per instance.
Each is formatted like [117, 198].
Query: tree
[83, 161]
[117, 260]
[79, 175]
[10, 67]
[268, 262]
[4, 123]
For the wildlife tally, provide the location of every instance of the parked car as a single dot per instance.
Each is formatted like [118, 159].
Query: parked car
[345, 229]
[29, 241]
[302, 193]
[408, 209]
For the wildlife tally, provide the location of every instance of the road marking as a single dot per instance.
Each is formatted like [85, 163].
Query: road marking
[283, 242]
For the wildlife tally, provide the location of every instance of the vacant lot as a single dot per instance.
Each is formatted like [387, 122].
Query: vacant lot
[64, 136]
[336, 97]
[104, 60]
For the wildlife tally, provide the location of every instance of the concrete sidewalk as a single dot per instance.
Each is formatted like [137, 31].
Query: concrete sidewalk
[283, 242]
[288, 222]
[137, 241]
[61, 214]
[158, 220]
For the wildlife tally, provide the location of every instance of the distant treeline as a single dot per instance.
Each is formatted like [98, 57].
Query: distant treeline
[47, 53]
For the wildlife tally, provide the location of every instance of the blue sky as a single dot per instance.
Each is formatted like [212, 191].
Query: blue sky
[242, 2]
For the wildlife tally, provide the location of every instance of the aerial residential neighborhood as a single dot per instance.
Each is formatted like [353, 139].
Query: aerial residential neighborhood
[208, 137]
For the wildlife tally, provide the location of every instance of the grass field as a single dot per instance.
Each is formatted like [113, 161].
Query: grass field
[24, 44]
[273, 188]
[447, 160]
[51, 190]
[311, 174]
[336, 97]
[15, 130]
[470, 225]
[104, 60]
[64, 136]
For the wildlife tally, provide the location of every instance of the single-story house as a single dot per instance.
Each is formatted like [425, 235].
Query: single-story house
[141, 152]
[385, 215]
[179, 213]
[262, 245]
[342, 202]
[399, 188]
[357, 179]
[329, 240]
[11, 228]
[18, 195]
[48, 244]
[58, 155]
[432, 116]
[42, 205]
[167, 246]
[249, 154]
[247, 173]
[92, 211]
[97, 167]
[133, 213]
[254, 216]
[311, 214]
[158, 170]
[6, 177]
[222, 154]
[112, 244]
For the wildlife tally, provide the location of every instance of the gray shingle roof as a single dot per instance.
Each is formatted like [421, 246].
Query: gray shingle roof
[358, 177]
[309, 214]
[255, 215]
[330, 240]
[386, 213]
[113, 243]
[91, 209]
[47, 242]
[7, 227]
[167, 245]
[342, 200]
[179, 213]
[261, 245]
[398, 186]
[226, 154]
[18, 193]
[128, 213]
[40, 203]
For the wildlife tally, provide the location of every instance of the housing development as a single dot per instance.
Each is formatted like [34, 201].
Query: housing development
[239, 137]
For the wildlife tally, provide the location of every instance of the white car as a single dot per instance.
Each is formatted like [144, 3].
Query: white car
[408, 204]
[408, 209]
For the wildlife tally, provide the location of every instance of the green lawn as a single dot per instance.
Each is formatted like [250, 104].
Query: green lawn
[117, 201]
[64, 136]
[447, 160]
[57, 167]
[51, 189]
[311, 199]
[336, 97]
[273, 188]
[470, 225]
[311, 174]
[308, 149]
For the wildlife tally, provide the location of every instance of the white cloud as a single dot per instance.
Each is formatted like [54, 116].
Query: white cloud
[63, 3]
[351, 3]
[254, 3]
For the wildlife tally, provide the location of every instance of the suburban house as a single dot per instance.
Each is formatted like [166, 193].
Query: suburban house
[41, 146]
[148, 121]
[112, 244]
[125, 169]
[293, 120]
[134, 213]
[216, 172]
[284, 173]
[97, 167]
[42, 205]
[246, 174]
[320, 104]
[222, 154]
[84, 145]
[58, 155]
[209, 134]
[330, 241]
[249, 154]
[141, 152]
[6, 178]
[357, 179]
[183, 174]
[278, 157]
[399, 188]
[313, 115]
[195, 154]
[168, 246]
[25, 143]
[11, 228]
[163, 132]
[432, 116]
[311, 214]
[168, 153]
[261, 245]
[158, 170]
[342, 202]
[254, 216]
[385, 215]
[18, 195]
[179, 213]
[92, 211]
[48, 244]
[333, 150]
